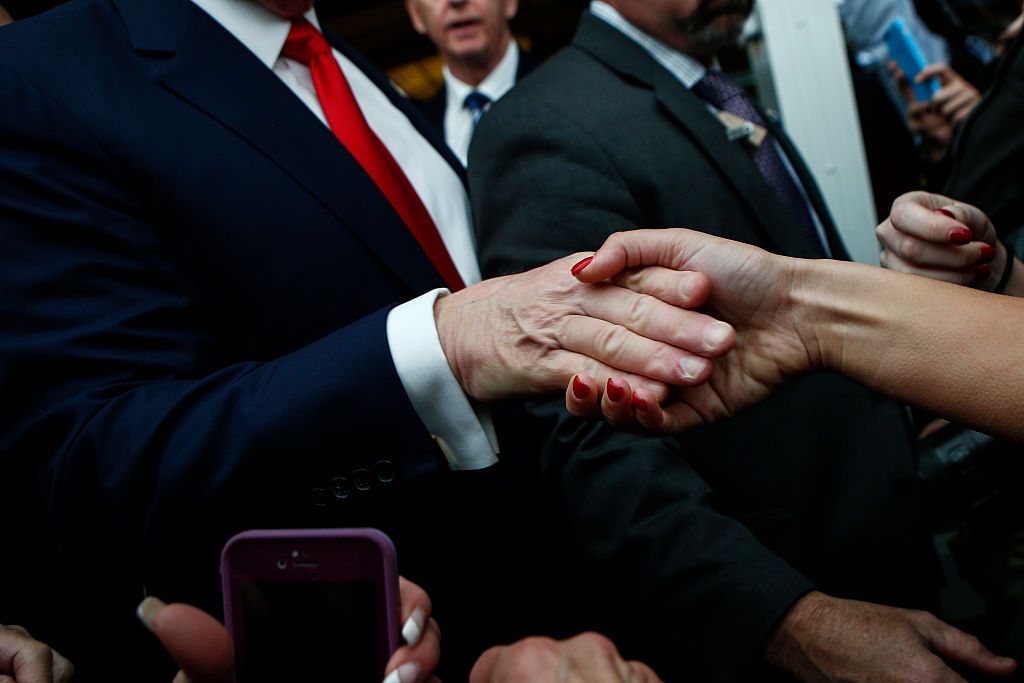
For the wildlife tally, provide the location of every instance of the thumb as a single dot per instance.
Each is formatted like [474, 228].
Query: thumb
[663, 247]
[198, 643]
[953, 644]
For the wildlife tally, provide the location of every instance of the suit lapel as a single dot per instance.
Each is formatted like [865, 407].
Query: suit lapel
[620, 54]
[810, 186]
[197, 59]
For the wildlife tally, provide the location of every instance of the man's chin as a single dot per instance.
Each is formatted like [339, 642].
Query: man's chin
[467, 49]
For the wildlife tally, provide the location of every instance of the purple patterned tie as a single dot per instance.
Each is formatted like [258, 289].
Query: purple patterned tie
[719, 91]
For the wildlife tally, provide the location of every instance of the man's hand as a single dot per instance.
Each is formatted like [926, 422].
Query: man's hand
[828, 639]
[750, 288]
[23, 659]
[531, 332]
[587, 658]
[202, 646]
[940, 238]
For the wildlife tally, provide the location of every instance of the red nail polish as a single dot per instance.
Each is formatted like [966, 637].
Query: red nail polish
[615, 392]
[578, 268]
[638, 402]
[579, 388]
[945, 212]
[988, 252]
[983, 270]
[960, 235]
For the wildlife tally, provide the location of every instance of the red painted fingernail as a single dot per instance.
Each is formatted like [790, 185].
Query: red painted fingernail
[988, 252]
[638, 402]
[946, 212]
[615, 393]
[983, 270]
[579, 388]
[960, 235]
[578, 268]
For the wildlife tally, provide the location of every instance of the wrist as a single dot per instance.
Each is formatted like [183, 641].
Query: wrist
[445, 319]
[810, 299]
[1015, 285]
[462, 322]
[785, 643]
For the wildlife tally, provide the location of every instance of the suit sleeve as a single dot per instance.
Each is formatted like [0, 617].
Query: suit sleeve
[542, 187]
[114, 380]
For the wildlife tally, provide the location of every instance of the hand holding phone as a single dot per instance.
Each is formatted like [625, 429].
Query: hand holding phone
[909, 58]
[311, 604]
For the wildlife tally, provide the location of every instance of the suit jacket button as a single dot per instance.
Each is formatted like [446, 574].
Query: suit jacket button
[362, 479]
[341, 487]
[385, 471]
[319, 497]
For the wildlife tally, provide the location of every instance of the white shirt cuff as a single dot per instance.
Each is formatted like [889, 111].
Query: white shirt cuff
[462, 428]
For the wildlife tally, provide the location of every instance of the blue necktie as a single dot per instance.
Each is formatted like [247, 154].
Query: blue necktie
[476, 102]
[722, 93]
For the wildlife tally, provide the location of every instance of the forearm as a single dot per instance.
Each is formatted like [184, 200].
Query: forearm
[946, 348]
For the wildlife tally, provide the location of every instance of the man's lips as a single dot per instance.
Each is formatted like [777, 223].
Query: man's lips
[462, 23]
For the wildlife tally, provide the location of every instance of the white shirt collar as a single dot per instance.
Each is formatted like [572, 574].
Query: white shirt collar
[257, 28]
[497, 83]
[686, 69]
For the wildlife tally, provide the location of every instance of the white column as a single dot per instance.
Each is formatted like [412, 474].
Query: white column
[801, 69]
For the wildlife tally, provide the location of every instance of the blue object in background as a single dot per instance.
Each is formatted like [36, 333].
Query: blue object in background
[909, 58]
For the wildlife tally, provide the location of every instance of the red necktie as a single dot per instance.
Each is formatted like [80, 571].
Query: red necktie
[307, 45]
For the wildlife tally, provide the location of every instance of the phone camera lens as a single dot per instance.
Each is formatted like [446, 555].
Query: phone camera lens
[282, 564]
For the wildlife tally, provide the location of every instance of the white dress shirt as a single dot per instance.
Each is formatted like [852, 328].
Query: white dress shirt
[689, 71]
[462, 429]
[458, 120]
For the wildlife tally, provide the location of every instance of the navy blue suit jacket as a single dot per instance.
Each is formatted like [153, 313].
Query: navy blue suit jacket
[194, 283]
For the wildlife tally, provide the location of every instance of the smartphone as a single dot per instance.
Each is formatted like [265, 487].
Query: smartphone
[311, 604]
[910, 59]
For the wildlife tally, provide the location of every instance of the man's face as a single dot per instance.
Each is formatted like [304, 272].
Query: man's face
[289, 9]
[704, 26]
[464, 29]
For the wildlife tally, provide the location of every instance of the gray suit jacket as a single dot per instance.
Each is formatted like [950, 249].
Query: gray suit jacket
[701, 543]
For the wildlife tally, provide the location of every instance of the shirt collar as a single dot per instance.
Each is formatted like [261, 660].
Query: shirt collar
[498, 82]
[257, 28]
[686, 69]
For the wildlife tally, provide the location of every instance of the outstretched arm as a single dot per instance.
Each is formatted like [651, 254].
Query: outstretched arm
[949, 349]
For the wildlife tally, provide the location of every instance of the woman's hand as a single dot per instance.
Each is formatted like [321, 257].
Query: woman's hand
[747, 287]
[936, 120]
[937, 237]
[202, 646]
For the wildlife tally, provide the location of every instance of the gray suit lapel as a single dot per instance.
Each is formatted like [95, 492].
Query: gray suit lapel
[690, 113]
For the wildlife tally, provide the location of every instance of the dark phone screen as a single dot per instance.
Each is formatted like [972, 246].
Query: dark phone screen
[309, 631]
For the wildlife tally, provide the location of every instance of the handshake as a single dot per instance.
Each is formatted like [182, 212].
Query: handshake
[668, 329]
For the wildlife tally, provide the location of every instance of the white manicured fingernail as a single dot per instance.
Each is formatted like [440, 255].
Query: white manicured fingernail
[413, 628]
[407, 673]
[716, 334]
[147, 610]
[691, 367]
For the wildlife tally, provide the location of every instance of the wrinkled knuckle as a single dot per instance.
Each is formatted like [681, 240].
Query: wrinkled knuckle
[612, 342]
[599, 643]
[38, 651]
[910, 249]
[534, 648]
[639, 311]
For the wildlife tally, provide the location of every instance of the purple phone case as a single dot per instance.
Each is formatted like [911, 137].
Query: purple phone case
[347, 547]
